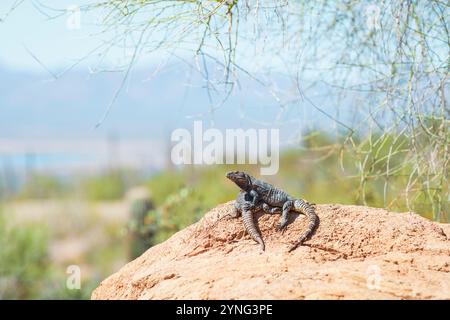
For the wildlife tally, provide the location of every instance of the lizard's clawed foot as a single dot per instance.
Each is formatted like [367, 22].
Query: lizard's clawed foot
[295, 246]
[234, 214]
[311, 204]
[262, 245]
[247, 206]
[282, 227]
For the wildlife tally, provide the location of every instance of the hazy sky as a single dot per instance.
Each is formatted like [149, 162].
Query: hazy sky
[41, 30]
[40, 113]
[45, 29]
[54, 41]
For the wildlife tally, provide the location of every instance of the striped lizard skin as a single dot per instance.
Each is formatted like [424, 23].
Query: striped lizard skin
[258, 195]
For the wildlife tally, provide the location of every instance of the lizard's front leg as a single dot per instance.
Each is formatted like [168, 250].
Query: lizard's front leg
[252, 201]
[237, 211]
[254, 197]
[244, 201]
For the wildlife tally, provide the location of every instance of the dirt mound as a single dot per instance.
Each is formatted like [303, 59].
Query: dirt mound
[356, 253]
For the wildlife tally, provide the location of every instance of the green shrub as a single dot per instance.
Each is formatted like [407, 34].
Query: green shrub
[25, 269]
[42, 186]
[320, 172]
[110, 186]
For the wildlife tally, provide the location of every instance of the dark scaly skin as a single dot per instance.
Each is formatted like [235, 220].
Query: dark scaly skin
[256, 195]
[245, 207]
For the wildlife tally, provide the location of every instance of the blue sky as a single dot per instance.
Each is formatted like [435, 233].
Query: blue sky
[39, 112]
[50, 40]
[29, 35]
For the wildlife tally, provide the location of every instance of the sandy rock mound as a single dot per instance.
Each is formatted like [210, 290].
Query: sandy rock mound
[356, 253]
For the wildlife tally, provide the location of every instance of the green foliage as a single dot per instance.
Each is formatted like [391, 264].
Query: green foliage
[42, 186]
[109, 186]
[393, 56]
[23, 256]
[140, 234]
[25, 269]
[409, 180]
[182, 197]
[322, 172]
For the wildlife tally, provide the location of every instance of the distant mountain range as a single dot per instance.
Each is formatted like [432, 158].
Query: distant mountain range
[56, 118]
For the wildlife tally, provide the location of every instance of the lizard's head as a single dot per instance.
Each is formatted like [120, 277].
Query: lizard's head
[241, 179]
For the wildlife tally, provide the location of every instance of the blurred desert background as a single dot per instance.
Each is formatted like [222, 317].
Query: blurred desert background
[86, 177]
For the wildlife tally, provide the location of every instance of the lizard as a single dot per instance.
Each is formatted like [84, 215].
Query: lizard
[244, 207]
[258, 195]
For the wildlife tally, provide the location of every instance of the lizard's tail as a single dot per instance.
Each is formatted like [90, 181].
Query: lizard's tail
[249, 224]
[304, 207]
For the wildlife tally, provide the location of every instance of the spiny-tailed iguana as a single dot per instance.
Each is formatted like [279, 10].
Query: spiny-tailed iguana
[258, 195]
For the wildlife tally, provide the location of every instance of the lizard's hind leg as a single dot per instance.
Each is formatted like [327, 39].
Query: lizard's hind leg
[244, 205]
[249, 224]
[288, 206]
[270, 210]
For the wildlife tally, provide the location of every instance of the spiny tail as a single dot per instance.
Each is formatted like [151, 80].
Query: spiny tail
[249, 225]
[304, 207]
